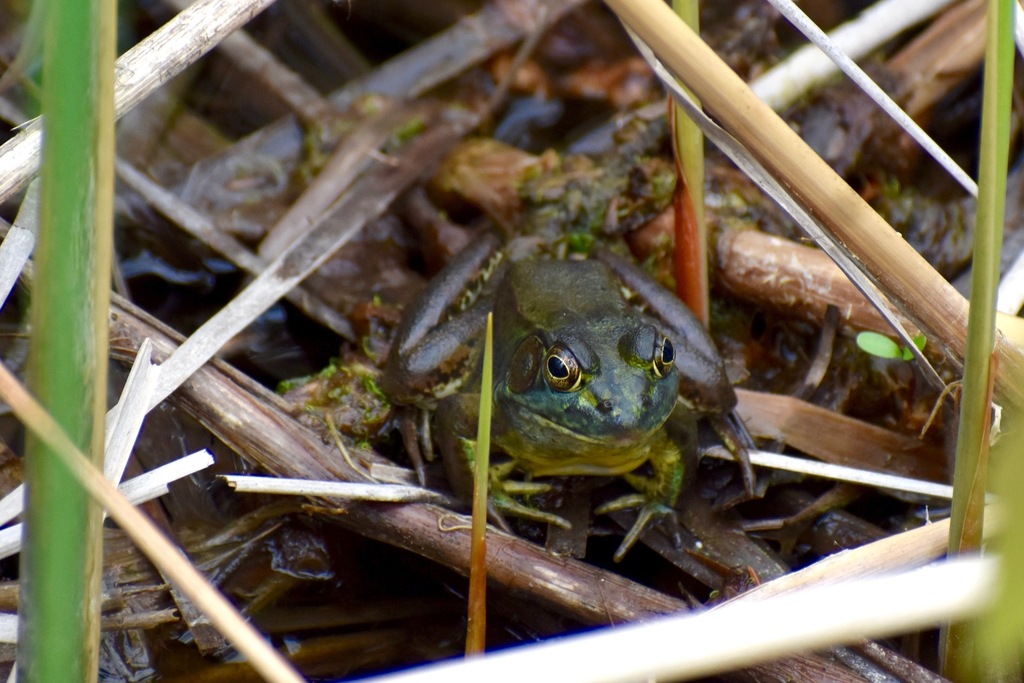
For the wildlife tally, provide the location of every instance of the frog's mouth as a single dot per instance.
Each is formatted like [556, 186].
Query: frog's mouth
[620, 436]
[545, 447]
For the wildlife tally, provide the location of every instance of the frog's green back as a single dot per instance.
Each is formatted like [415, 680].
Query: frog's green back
[547, 294]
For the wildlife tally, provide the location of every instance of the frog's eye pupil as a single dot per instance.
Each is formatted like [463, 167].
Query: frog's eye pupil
[562, 370]
[664, 357]
[557, 368]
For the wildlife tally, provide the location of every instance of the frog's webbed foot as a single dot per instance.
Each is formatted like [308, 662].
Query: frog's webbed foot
[737, 440]
[414, 427]
[504, 491]
[650, 512]
[454, 418]
[510, 506]
[656, 495]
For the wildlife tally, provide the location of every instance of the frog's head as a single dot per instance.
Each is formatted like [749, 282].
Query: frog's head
[600, 385]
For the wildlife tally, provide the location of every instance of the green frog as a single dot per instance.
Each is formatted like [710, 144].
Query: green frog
[584, 383]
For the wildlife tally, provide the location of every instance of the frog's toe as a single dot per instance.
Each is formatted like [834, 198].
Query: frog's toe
[510, 506]
[495, 517]
[627, 502]
[525, 488]
[650, 511]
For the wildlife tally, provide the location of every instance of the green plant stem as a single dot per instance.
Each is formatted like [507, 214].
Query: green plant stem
[477, 623]
[61, 561]
[971, 472]
[691, 252]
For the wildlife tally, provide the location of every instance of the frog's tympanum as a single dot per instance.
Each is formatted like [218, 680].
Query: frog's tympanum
[583, 382]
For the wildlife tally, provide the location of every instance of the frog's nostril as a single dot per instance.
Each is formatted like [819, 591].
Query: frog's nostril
[605, 406]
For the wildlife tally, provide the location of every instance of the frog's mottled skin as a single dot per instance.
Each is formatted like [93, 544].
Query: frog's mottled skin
[604, 418]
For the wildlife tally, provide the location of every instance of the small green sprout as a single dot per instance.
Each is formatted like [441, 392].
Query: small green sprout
[409, 130]
[881, 346]
[580, 242]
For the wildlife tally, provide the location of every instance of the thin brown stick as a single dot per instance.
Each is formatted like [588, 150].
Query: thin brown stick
[799, 280]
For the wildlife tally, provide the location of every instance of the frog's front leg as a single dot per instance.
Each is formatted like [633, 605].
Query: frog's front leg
[438, 342]
[737, 440]
[437, 345]
[657, 494]
[456, 428]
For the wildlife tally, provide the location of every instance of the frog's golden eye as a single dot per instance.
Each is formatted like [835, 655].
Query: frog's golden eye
[562, 369]
[664, 357]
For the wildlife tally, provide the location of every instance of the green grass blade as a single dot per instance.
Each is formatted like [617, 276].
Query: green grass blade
[477, 624]
[61, 561]
[970, 475]
[996, 642]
